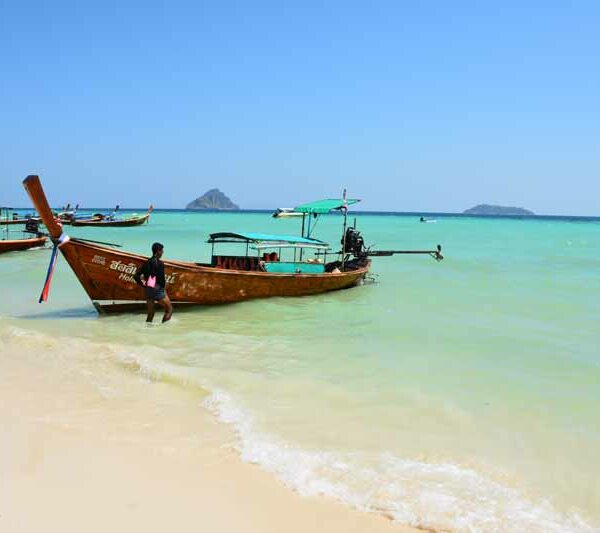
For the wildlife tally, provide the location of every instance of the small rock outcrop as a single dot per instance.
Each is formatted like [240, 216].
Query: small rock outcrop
[213, 199]
[497, 210]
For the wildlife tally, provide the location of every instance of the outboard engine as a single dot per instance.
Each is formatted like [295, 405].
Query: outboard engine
[353, 243]
[32, 226]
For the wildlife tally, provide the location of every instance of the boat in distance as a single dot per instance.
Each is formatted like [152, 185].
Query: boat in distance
[107, 274]
[32, 238]
[286, 212]
[13, 221]
[110, 221]
[15, 245]
[16, 220]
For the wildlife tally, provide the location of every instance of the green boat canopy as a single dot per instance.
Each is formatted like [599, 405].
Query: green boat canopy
[263, 240]
[324, 206]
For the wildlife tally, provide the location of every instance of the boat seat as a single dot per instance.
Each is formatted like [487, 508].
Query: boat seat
[271, 257]
[285, 267]
[235, 262]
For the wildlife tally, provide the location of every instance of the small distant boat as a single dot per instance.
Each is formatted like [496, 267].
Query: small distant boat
[286, 212]
[13, 245]
[423, 219]
[111, 221]
[16, 220]
[68, 219]
[67, 215]
[13, 221]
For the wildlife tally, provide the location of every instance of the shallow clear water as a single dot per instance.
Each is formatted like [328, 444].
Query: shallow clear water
[452, 395]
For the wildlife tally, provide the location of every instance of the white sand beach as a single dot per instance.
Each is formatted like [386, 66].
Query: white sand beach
[118, 452]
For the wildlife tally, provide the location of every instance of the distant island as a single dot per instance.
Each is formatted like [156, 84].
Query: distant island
[497, 210]
[213, 199]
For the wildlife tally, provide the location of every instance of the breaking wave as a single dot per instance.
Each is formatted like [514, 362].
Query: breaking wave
[436, 497]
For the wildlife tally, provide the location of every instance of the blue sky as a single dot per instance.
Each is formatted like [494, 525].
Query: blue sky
[432, 106]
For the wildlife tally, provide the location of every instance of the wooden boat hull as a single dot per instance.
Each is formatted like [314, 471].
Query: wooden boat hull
[11, 222]
[107, 274]
[21, 244]
[68, 220]
[134, 221]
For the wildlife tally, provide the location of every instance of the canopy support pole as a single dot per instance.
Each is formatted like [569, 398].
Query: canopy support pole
[303, 219]
[345, 209]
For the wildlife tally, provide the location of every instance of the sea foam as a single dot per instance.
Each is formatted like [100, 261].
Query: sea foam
[438, 497]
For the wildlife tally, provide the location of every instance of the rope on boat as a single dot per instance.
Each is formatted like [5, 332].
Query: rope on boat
[75, 239]
[97, 242]
[64, 238]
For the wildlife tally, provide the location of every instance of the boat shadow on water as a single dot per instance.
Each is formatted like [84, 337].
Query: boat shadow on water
[236, 306]
[75, 313]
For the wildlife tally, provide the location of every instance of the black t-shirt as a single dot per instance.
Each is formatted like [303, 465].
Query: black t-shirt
[152, 267]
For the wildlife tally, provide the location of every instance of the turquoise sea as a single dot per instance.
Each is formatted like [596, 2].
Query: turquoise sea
[454, 396]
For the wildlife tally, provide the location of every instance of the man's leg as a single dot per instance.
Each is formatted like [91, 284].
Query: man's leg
[150, 307]
[166, 303]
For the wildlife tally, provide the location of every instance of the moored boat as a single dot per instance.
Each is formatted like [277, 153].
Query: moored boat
[286, 212]
[14, 245]
[31, 236]
[16, 220]
[13, 221]
[110, 221]
[66, 220]
[67, 215]
[107, 274]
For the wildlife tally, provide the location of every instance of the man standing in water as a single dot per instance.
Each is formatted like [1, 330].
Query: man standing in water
[151, 276]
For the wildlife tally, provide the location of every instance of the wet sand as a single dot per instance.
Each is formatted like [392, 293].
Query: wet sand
[107, 449]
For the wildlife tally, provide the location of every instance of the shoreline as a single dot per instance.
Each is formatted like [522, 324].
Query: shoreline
[98, 449]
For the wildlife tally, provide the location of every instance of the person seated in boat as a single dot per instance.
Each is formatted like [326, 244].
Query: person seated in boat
[151, 276]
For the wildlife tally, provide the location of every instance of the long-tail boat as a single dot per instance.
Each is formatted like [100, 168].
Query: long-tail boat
[15, 245]
[12, 245]
[15, 219]
[107, 274]
[67, 215]
[111, 221]
[66, 220]
[286, 212]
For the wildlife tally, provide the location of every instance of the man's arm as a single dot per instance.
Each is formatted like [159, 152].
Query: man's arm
[143, 270]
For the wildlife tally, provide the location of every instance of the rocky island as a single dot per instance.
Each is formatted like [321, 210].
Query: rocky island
[213, 200]
[497, 210]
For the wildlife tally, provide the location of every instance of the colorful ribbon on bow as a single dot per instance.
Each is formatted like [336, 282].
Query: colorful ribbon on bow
[57, 244]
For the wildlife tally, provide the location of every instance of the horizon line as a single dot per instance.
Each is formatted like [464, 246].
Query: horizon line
[358, 212]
